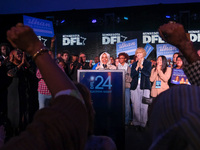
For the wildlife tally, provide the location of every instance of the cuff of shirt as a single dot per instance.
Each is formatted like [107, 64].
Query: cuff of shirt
[70, 92]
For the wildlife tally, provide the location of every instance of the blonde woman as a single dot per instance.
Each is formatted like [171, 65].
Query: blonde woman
[140, 86]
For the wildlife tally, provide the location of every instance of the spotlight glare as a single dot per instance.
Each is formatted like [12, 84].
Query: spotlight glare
[125, 18]
[168, 16]
[62, 21]
[94, 21]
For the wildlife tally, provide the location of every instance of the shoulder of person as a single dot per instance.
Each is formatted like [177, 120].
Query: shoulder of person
[147, 61]
[112, 67]
[135, 63]
[126, 64]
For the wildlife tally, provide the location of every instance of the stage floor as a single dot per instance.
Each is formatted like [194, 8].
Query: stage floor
[136, 139]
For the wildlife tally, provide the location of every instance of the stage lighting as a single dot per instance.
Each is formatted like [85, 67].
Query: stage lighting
[167, 16]
[125, 18]
[94, 21]
[62, 21]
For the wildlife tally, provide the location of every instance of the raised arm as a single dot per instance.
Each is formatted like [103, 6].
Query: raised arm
[24, 38]
[174, 33]
[62, 125]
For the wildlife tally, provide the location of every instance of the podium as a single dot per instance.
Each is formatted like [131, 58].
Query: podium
[107, 88]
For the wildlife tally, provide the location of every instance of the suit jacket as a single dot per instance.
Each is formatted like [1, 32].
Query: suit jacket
[145, 74]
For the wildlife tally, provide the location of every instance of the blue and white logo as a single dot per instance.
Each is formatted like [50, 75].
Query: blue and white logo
[40, 27]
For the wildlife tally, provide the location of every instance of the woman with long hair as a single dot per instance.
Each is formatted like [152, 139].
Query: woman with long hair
[160, 75]
[180, 62]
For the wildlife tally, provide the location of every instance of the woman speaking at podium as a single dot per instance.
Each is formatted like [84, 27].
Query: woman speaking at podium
[105, 62]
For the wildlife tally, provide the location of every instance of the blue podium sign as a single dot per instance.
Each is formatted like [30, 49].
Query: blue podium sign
[107, 89]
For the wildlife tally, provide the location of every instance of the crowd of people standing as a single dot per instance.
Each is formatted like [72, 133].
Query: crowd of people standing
[18, 72]
[142, 78]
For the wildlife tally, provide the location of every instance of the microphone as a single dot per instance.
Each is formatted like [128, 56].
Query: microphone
[104, 65]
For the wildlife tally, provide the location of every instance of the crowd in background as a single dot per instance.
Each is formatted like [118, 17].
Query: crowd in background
[67, 123]
[23, 90]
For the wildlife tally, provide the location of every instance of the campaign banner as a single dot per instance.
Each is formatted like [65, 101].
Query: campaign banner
[179, 77]
[107, 89]
[41, 27]
[128, 47]
[148, 48]
[167, 50]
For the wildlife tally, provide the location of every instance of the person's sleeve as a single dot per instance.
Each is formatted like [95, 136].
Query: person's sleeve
[146, 70]
[128, 75]
[165, 76]
[153, 75]
[192, 71]
[94, 67]
[134, 73]
[38, 74]
[12, 71]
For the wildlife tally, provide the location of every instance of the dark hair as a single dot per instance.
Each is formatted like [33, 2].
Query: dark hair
[7, 48]
[173, 57]
[63, 52]
[183, 60]
[164, 63]
[113, 59]
[59, 60]
[125, 55]
[81, 53]
[175, 54]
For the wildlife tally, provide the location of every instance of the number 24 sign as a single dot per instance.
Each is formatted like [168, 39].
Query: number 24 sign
[99, 83]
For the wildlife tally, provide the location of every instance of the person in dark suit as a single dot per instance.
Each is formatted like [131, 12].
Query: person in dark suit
[140, 86]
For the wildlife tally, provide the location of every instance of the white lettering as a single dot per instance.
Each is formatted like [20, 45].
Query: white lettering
[146, 39]
[78, 42]
[167, 48]
[66, 41]
[113, 40]
[105, 40]
[35, 21]
[73, 39]
[152, 39]
[193, 37]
